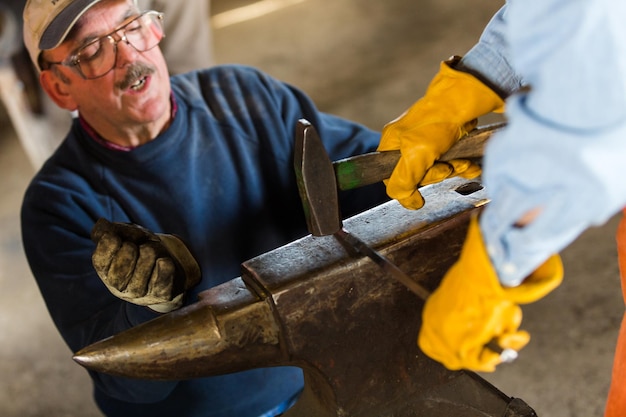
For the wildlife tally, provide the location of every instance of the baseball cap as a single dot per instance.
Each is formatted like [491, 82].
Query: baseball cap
[47, 23]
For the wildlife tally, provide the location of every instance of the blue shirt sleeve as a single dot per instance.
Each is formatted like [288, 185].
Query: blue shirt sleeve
[489, 59]
[563, 148]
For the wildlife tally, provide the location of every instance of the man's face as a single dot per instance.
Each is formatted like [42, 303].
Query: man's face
[133, 96]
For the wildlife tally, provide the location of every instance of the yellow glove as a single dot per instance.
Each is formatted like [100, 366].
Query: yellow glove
[470, 309]
[447, 112]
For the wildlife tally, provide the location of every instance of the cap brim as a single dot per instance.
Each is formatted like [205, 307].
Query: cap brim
[61, 25]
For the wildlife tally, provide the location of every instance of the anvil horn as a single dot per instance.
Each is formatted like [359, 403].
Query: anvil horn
[230, 325]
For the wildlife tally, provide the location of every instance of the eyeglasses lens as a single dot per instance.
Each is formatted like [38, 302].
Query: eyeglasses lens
[99, 56]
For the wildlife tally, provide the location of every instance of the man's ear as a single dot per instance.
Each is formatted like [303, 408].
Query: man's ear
[57, 90]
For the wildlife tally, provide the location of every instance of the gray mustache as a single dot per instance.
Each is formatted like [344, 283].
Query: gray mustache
[135, 72]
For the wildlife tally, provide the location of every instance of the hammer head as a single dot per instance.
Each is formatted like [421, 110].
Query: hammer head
[316, 182]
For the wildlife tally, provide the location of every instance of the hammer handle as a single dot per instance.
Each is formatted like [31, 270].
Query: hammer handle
[358, 171]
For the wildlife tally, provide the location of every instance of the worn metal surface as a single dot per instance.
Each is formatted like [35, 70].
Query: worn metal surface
[356, 328]
[229, 329]
[316, 182]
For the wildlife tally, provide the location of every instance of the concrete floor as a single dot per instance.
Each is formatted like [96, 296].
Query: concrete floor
[366, 60]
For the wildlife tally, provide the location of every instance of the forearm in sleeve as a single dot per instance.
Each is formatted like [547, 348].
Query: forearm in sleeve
[489, 59]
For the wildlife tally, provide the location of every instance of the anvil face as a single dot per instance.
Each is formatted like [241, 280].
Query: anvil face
[349, 327]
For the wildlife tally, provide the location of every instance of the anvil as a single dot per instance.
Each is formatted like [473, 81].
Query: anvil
[348, 326]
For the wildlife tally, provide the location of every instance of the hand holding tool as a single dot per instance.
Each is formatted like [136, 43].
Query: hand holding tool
[449, 109]
[142, 267]
[318, 192]
[360, 170]
[471, 307]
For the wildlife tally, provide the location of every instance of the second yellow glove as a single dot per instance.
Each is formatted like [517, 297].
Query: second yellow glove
[470, 309]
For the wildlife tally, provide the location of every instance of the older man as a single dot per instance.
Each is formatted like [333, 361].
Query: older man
[205, 156]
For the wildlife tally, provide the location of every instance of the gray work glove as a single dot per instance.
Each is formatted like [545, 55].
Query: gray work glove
[141, 267]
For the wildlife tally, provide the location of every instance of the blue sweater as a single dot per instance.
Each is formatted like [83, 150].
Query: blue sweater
[221, 177]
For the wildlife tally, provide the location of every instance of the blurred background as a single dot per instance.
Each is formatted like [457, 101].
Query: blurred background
[366, 60]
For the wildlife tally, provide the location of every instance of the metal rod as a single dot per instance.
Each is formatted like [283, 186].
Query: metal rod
[385, 264]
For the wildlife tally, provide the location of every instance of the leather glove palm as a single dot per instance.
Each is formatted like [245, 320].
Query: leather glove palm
[447, 112]
[470, 309]
[142, 267]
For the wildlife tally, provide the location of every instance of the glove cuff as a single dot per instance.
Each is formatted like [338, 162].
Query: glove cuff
[185, 260]
[164, 308]
[475, 260]
[540, 283]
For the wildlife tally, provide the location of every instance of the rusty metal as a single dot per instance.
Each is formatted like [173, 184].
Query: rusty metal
[311, 304]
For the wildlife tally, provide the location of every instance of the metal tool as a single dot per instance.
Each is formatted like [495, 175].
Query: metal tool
[318, 191]
[369, 168]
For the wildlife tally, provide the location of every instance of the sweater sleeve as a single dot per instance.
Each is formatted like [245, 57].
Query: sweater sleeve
[268, 115]
[56, 220]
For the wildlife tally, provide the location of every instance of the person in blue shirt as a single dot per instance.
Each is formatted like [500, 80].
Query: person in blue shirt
[555, 170]
[202, 161]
